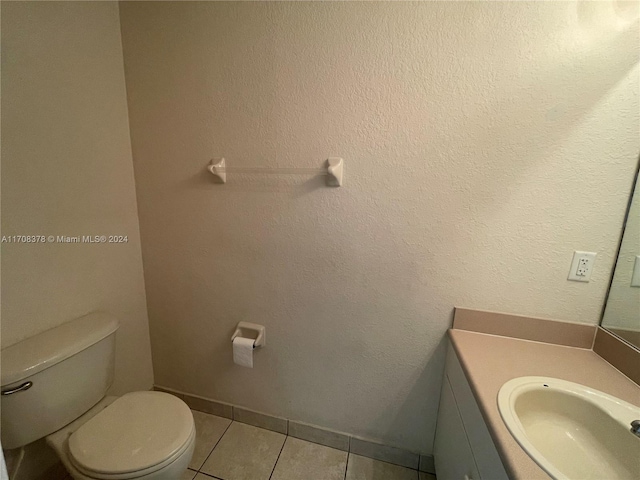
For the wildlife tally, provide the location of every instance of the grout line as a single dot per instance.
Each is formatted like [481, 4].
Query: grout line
[207, 475]
[346, 466]
[318, 443]
[214, 447]
[277, 459]
[315, 443]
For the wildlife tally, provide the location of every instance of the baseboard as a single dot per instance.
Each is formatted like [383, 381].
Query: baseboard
[311, 433]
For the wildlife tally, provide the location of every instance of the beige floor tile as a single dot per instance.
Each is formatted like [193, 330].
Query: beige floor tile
[209, 429]
[305, 460]
[427, 476]
[188, 475]
[245, 452]
[363, 468]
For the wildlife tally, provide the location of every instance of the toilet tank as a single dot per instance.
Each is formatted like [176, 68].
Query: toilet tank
[52, 378]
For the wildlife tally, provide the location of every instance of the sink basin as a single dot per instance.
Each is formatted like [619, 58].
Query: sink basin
[571, 431]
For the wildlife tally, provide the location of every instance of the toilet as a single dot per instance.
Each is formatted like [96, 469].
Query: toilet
[54, 386]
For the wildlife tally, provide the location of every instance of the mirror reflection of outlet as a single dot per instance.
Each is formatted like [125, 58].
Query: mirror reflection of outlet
[635, 278]
[581, 266]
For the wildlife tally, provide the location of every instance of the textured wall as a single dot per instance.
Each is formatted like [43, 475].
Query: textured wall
[623, 303]
[484, 142]
[67, 170]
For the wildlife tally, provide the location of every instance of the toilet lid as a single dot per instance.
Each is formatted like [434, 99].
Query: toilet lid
[136, 432]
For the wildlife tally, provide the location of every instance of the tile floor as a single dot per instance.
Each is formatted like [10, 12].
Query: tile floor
[228, 450]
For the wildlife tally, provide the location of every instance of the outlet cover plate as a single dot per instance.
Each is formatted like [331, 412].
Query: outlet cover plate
[581, 266]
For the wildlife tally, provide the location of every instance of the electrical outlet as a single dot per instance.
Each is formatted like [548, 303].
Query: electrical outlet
[581, 266]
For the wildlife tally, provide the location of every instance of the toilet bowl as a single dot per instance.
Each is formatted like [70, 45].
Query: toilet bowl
[54, 386]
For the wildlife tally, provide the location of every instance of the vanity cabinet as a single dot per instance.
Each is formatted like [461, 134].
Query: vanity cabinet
[464, 449]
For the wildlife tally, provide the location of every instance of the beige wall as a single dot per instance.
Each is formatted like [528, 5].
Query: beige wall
[67, 170]
[484, 143]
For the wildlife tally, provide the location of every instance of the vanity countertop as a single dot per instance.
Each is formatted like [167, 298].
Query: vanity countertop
[491, 360]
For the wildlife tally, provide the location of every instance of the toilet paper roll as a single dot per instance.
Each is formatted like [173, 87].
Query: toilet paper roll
[243, 351]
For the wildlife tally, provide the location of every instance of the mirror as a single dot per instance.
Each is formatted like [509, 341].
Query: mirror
[621, 314]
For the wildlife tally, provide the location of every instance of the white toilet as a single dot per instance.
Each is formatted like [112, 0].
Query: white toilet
[54, 385]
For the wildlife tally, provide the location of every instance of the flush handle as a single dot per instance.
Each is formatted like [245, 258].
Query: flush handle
[21, 388]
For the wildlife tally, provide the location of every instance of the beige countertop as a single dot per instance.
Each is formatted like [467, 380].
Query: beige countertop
[490, 360]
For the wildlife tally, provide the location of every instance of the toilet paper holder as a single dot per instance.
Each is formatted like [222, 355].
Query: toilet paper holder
[250, 330]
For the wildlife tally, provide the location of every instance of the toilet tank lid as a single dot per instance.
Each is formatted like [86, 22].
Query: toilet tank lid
[45, 349]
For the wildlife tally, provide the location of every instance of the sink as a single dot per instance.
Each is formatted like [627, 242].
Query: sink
[571, 431]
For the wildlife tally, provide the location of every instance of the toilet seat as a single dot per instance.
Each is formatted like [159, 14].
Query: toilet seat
[137, 434]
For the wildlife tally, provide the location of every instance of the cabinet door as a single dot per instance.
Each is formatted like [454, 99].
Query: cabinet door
[484, 451]
[452, 452]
